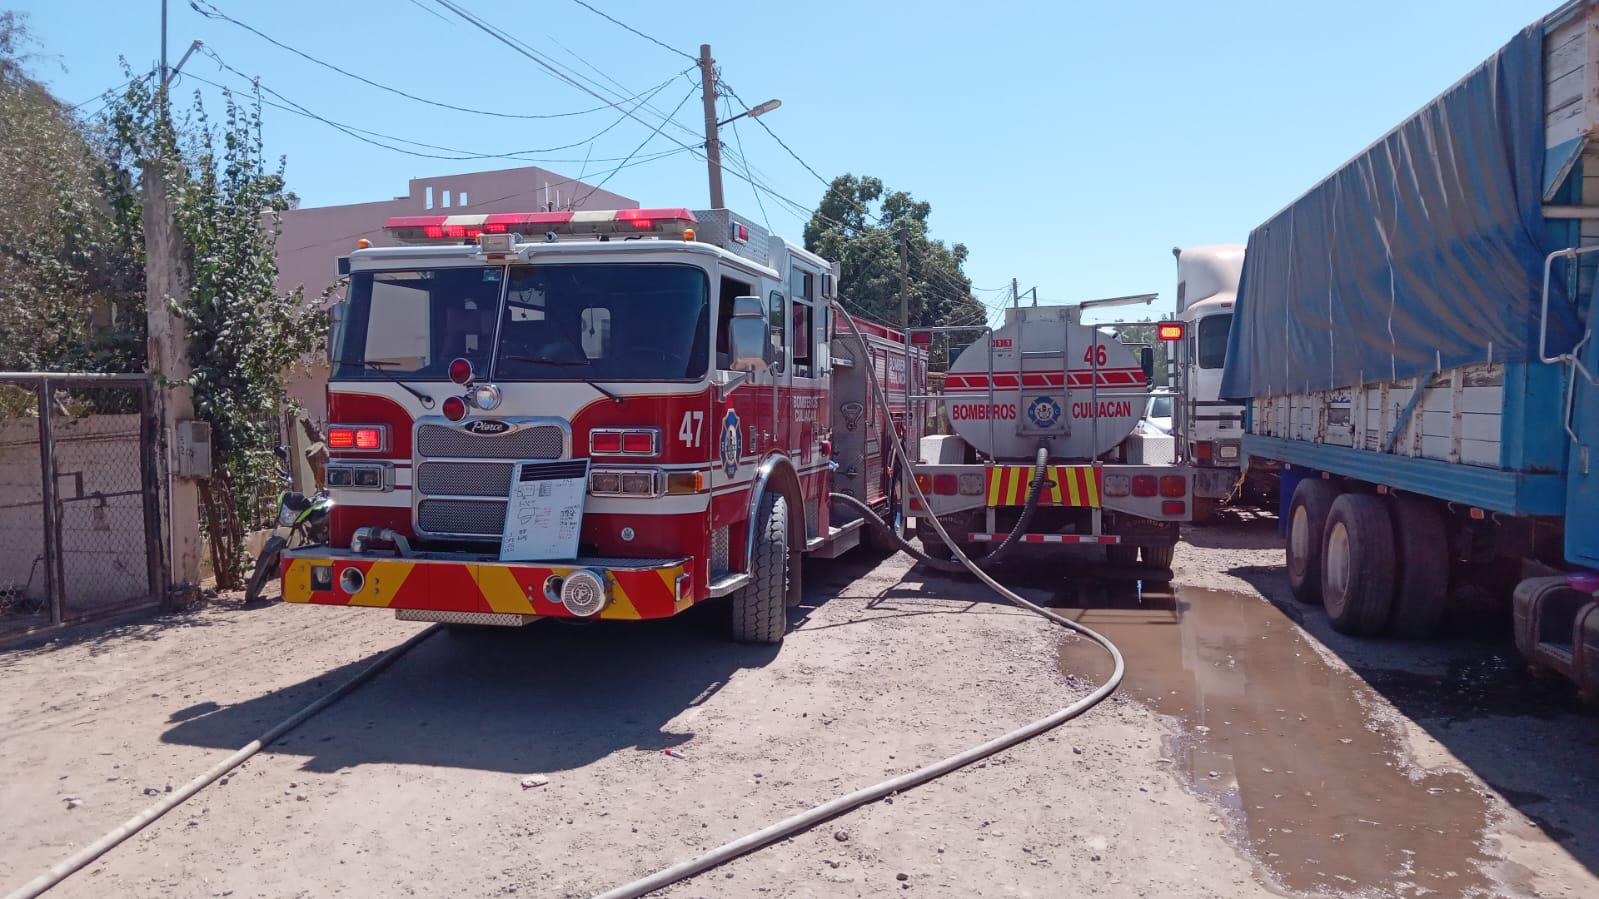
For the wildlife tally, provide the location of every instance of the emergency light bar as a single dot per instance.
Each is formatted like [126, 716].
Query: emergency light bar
[461, 228]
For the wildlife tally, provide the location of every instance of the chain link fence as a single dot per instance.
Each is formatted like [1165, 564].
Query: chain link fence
[79, 499]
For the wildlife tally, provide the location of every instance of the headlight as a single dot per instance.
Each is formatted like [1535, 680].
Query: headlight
[486, 397]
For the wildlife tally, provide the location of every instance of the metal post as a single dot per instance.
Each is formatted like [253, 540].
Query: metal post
[52, 522]
[1015, 294]
[163, 43]
[713, 144]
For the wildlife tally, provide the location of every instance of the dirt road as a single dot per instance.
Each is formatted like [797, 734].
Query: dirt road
[413, 785]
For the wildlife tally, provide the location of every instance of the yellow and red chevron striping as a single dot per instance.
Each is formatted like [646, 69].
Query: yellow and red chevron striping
[1070, 485]
[451, 586]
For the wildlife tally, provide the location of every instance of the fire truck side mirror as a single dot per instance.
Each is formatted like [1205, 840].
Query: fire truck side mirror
[748, 345]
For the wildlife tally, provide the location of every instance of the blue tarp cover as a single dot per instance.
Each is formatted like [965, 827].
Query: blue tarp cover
[1425, 252]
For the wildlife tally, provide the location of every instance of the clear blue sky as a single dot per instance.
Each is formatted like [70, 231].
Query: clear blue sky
[1068, 144]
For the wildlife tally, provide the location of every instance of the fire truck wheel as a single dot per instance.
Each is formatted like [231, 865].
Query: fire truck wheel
[1158, 556]
[1357, 564]
[1307, 524]
[1121, 555]
[1422, 587]
[758, 606]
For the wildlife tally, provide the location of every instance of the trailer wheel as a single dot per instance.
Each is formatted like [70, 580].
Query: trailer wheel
[758, 606]
[1422, 585]
[1357, 563]
[1307, 523]
[1158, 556]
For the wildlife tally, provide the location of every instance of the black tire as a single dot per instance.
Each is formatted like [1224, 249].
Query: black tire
[1421, 587]
[758, 615]
[1357, 563]
[266, 567]
[1121, 555]
[1158, 556]
[931, 544]
[1307, 525]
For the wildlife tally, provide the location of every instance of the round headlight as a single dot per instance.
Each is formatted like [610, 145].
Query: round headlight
[486, 397]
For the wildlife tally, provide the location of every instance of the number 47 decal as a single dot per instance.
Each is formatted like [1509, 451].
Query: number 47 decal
[693, 426]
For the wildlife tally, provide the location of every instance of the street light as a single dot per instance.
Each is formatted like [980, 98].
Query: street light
[758, 111]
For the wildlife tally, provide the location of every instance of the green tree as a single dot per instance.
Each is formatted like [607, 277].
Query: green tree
[858, 224]
[243, 334]
[71, 247]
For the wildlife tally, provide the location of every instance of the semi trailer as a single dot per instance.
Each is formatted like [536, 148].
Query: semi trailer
[1413, 342]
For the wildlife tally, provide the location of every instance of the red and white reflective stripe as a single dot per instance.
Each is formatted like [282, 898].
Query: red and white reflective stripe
[1047, 538]
[1080, 377]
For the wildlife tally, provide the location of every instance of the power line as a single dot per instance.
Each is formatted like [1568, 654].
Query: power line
[211, 12]
[657, 42]
[647, 139]
[368, 136]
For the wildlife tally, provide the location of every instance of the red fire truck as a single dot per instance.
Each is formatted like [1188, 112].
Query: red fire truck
[676, 376]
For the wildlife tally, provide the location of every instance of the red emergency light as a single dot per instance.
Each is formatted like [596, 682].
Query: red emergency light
[1169, 331]
[461, 228]
[364, 438]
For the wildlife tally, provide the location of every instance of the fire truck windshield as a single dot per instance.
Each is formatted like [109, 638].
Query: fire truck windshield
[412, 323]
[585, 322]
[604, 322]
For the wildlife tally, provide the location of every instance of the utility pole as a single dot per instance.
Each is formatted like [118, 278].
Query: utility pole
[713, 144]
[904, 279]
[1015, 294]
[167, 348]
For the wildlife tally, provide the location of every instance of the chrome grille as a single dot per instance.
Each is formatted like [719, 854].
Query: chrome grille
[465, 478]
[536, 442]
[461, 516]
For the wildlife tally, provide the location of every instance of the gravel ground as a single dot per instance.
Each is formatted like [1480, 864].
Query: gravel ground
[414, 785]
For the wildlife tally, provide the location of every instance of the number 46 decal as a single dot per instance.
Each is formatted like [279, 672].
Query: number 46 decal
[693, 426]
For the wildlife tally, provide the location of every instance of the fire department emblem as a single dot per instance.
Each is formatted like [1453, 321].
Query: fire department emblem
[1043, 411]
[732, 444]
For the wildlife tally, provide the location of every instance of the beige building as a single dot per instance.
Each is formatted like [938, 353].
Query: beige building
[314, 238]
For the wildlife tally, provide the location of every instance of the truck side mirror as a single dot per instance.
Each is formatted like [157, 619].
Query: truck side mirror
[747, 343]
[335, 320]
[1146, 361]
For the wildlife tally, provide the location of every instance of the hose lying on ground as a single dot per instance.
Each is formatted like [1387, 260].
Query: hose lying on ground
[64, 868]
[838, 806]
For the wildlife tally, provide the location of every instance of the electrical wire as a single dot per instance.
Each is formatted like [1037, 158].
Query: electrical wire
[211, 12]
[656, 41]
[649, 137]
[362, 134]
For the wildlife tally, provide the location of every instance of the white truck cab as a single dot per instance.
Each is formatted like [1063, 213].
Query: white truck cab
[1209, 430]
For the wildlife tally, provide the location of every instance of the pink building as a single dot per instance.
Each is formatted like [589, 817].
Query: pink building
[313, 239]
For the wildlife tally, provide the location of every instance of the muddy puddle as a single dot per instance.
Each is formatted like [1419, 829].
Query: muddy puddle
[1312, 789]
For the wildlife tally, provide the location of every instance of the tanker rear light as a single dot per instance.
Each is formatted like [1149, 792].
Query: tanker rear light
[1173, 507]
[1116, 485]
[1170, 332]
[1145, 485]
[951, 484]
[1173, 485]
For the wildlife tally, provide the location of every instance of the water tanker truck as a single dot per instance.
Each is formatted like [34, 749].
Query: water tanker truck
[1044, 451]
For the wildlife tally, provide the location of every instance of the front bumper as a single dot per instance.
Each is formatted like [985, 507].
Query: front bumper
[462, 582]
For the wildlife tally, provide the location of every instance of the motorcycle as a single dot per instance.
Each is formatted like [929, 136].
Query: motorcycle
[306, 521]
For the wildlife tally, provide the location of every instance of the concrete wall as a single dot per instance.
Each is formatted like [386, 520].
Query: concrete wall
[98, 483]
[313, 239]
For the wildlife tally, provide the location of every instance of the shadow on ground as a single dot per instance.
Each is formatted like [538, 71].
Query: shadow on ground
[547, 697]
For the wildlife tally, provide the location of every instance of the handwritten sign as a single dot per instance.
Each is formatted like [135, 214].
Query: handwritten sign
[545, 511]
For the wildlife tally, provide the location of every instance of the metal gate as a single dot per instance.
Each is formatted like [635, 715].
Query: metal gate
[80, 526]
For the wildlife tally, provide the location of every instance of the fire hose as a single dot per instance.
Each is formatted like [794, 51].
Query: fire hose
[832, 808]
